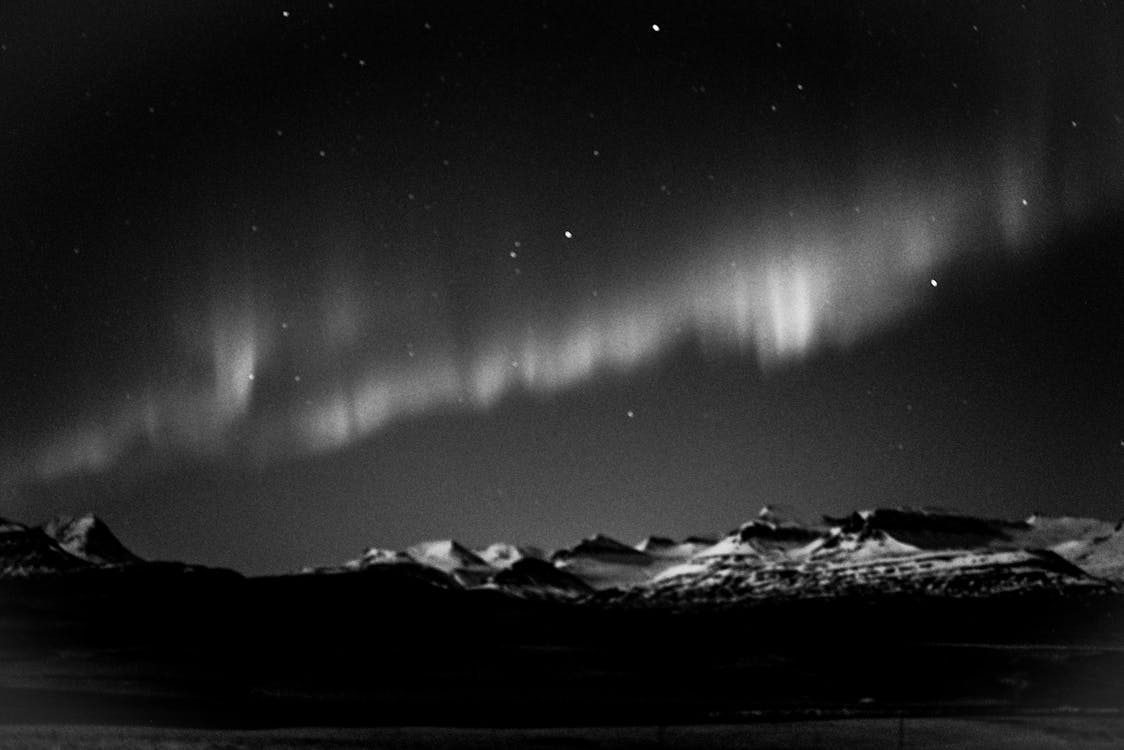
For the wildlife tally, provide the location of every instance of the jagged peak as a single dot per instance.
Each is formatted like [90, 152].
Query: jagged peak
[780, 515]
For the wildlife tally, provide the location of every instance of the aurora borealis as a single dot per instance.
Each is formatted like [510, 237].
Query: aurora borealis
[495, 269]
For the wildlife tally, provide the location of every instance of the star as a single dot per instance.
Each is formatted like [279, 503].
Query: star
[933, 283]
[655, 27]
[567, 234]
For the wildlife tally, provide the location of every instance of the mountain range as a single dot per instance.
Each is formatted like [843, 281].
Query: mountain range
[883, 551]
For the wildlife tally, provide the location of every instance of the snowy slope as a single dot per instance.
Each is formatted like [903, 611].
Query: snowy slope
[721, 582]
[453, 558]
[1057, 533]
[1100, 555]
[669, 549]
[27, 552]
[445, 554]
[839, 545]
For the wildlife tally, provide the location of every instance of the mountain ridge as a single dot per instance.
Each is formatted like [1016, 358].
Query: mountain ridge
[921, 552]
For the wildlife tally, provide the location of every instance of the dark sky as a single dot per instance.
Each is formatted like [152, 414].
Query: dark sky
[286, 279]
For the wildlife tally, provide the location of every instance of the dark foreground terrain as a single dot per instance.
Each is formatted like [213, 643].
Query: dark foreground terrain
[218, 652]
[967, 733]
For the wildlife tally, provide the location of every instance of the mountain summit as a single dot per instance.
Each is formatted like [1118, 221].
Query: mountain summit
[88, 538]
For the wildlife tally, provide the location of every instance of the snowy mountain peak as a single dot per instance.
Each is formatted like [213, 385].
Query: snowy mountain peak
[445, 554]
[88, 538]
[780, 515]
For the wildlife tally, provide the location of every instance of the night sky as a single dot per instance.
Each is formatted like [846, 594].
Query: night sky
[283, 280]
